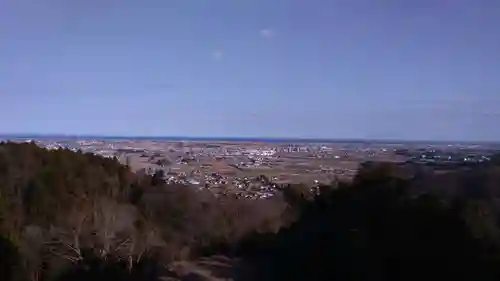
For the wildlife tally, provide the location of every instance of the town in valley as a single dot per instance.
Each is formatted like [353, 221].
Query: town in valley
[256, 169]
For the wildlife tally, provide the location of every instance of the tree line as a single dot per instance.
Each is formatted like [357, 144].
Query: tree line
[68, 215]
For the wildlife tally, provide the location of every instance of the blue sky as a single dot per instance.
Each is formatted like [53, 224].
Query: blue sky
[426, 69]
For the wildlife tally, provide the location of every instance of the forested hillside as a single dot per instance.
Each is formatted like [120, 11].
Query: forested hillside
[383, 227]
[59, 208]
[71, 216]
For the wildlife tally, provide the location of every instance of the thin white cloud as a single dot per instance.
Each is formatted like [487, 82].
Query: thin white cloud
[217, 54]
[266, 33]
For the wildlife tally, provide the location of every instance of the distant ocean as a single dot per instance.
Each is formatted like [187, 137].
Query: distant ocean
[174, 138]
[232, 139]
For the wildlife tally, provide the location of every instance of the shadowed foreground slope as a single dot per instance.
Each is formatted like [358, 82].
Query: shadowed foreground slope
[73, 216]
[375, 229]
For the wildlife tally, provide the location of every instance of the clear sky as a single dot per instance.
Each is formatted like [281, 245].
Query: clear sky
[398, 69]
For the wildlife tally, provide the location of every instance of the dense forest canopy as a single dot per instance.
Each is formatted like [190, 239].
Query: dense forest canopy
[68, 215]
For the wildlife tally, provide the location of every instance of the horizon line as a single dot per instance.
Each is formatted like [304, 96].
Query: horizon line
[229, 138]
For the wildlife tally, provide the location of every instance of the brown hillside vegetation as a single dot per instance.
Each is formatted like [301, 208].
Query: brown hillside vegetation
[71, 216]
[60, 208]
